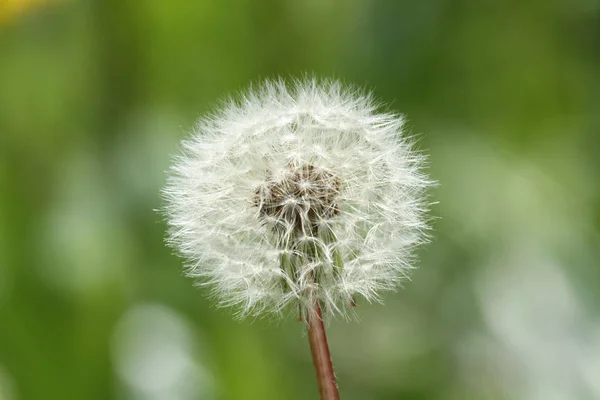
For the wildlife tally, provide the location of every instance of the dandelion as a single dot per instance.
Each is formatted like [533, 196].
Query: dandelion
[298, 195]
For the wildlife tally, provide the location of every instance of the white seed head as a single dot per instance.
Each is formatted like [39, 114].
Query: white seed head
[294, 193]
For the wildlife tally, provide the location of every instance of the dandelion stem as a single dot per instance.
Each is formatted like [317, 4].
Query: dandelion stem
[320, 354]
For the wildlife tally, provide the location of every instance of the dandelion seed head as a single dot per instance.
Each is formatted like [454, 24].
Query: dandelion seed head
[297, 191]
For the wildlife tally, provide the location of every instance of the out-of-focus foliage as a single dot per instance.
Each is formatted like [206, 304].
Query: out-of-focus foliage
[12, 9]
[95, 95]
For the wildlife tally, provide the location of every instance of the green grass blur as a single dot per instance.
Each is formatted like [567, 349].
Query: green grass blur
[504, 96]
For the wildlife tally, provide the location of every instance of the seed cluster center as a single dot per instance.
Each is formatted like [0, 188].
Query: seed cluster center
[300, 201]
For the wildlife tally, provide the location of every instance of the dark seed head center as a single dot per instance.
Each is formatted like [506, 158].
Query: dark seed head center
[300, 200]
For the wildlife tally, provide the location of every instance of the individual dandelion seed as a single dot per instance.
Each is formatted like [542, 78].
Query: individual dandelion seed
[298, 194]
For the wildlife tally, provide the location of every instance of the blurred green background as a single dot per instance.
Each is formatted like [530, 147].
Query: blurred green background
[504, 96]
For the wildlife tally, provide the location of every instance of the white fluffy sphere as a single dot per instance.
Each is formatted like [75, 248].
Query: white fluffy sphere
[294, 192]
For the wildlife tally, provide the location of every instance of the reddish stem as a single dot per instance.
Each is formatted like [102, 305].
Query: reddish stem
[320, 355]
